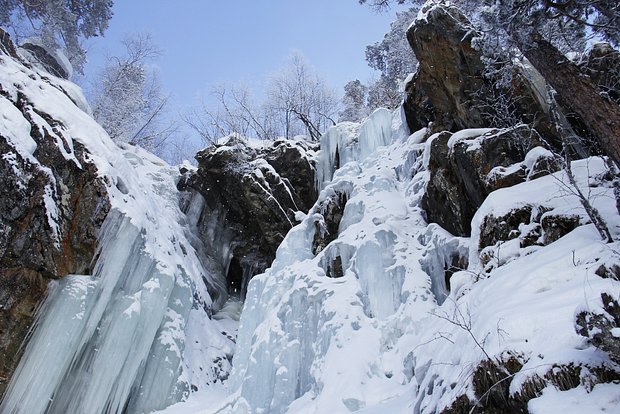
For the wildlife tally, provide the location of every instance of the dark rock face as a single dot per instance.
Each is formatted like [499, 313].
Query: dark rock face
[449, 70]
[28, 237]
[503, 228]
[51, 208]
[43, 57]
[556, 226]
[6, 45]
[326, 227]
[451, 91]
[256, 192]
[462, 176]
[602, 65]
[326, 230]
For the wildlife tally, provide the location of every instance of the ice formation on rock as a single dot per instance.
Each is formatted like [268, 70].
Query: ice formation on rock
[307, 340]
[117, 340]
[411, 319]
[366, 308]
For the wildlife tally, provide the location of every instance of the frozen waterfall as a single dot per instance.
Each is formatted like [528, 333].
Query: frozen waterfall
[107, 342]
[123, 340]
[306, 339]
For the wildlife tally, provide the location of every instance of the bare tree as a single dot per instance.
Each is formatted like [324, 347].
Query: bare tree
[568, 137]
[127, 99]
[297, 102]
[230, 110]
[382, 5]
[303, 98]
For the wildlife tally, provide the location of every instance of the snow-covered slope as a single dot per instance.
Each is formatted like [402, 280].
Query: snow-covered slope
[118, 339]
[421, 321]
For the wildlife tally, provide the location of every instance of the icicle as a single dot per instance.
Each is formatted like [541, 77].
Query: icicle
[108, 324]
[349, 141]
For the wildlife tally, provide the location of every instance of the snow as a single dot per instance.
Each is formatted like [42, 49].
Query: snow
[403, 329]
[294, 345]
[472, 135]
[390, 326]
[390, 330]
[604, 399]
[553, 193]
[116, 339]
[16, 129]
[535, 154]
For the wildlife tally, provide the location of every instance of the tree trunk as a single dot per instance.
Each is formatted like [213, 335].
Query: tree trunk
[576, 91]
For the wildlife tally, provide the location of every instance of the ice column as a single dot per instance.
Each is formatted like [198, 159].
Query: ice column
[110, 341]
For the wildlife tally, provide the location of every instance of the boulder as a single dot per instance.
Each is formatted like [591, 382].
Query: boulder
[47, 60]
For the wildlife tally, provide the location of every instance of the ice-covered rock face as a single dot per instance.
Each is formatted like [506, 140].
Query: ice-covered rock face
[367, 308]
[307, 339]
[50, 188]
[123, 337]
[252, 191]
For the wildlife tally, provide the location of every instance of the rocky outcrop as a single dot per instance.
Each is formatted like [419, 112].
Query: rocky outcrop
[601, 326]
[256, 191]
[326, 225]
[52, 204]
[449, 71]
[450, 90]
[526, 226]
[46, 60]
[6, 45]
[602, 65]
[494, 392]
[465, 167]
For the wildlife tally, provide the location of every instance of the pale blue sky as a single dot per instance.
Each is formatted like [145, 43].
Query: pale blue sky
[213, 41]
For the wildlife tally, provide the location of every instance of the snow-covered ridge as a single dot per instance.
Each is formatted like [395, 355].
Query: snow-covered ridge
[116, 339]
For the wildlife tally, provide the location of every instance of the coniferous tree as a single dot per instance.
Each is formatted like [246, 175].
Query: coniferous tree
[393, 58]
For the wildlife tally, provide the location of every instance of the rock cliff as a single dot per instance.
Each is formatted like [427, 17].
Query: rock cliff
[52, 205]
[255, 189]
[390, 272]
[451, 90]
